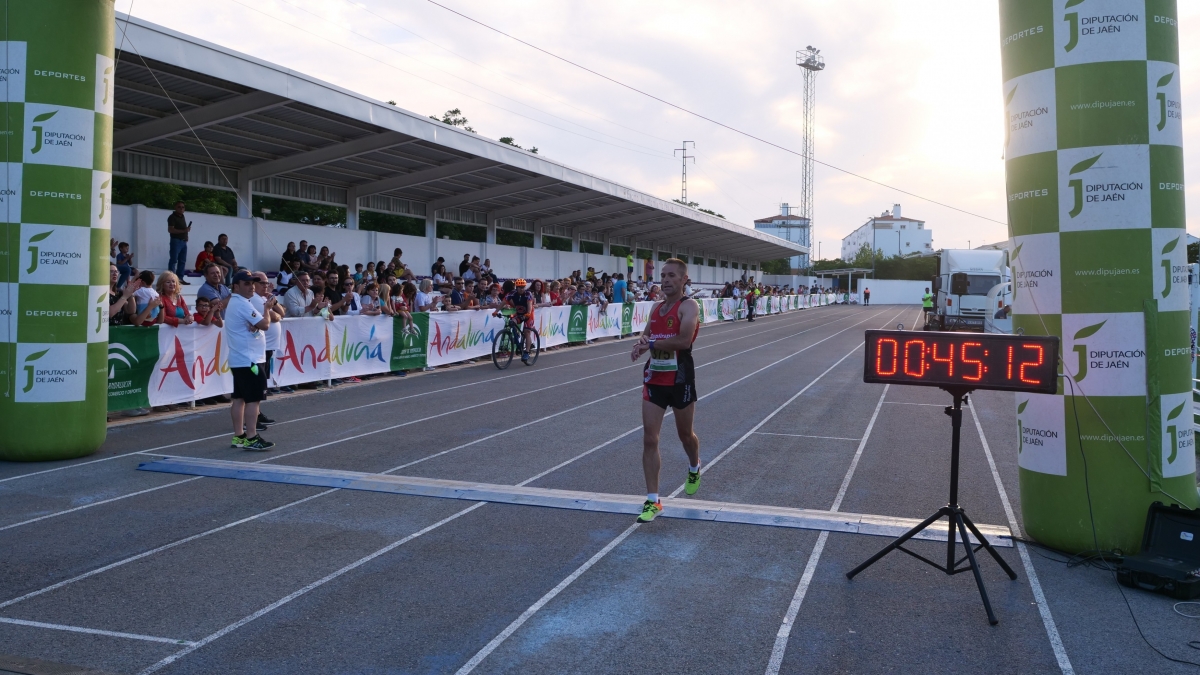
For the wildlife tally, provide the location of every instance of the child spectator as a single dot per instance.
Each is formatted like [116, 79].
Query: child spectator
[368, 274]
[358, 273]
[205, 257]
[207, 314]
[146, 301]
[124, 263]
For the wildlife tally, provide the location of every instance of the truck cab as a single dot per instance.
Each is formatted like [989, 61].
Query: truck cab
[970, 288]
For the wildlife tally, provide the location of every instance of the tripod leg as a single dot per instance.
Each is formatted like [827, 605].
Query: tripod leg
[990, 549]
[898, 542]
[987, 605]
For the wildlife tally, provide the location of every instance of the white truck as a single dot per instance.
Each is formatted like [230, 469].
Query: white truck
[972, 290]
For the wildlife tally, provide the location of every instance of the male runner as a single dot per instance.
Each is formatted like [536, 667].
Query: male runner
[669, 379]
[521, 300]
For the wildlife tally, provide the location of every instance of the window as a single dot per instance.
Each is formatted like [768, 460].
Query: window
[618, 251]
[663, 256]
[556, 243]
[461, 232]
[514, 238]
[591, 247]
[712, 262]
[697, 260]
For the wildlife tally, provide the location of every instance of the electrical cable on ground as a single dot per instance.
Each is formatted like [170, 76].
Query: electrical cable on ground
[709, 119]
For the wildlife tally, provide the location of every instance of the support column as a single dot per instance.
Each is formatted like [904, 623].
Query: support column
[352, 209]
[574, 242]
[431, 233]
[245, 197]
[54, 350]
[1099, 259]
[537, 236]
[491, 229]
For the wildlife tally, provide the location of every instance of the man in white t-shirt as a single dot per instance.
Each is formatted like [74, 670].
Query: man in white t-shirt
[245, 333]
[268, 303]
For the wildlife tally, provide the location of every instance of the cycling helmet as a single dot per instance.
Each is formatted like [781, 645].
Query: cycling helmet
[520, 283]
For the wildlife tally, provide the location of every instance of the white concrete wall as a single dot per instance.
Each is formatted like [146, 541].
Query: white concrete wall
[892, 291]
[415, 250]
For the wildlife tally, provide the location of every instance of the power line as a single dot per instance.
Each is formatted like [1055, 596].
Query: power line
[708, 119]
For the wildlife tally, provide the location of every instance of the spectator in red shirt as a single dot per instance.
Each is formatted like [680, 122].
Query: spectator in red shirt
[207, 314]
[174, 307]
[205, 257]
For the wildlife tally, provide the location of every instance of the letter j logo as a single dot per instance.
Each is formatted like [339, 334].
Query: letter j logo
[1072, 19]
[37, 130]
[33, 250]
[29, 369]
[1081, 348]
[1076, 184]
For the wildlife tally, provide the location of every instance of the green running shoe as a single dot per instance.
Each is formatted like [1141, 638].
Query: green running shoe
[237, 442]
[693, 483]
[650, 511]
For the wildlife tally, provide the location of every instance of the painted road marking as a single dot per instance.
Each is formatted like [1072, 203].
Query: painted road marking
[789, 618]
[562, 585]
[1060, 652]
[94, 631]
[828, 438]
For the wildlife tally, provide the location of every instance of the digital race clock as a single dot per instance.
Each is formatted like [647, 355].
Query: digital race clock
[962, 360]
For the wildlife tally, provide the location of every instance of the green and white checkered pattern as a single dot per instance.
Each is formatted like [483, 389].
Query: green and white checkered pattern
[56, 78]
[1094, 164]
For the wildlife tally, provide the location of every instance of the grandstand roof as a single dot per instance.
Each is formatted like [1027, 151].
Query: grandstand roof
[261, 121]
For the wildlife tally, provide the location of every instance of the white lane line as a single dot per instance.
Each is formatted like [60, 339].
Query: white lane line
[93, 631]
[279, 603]
[829, 438]
[789, 618]
[508, 631]
[1056, 644]
[400, 398]
[931, 405]
[99, 503]
[530, 480]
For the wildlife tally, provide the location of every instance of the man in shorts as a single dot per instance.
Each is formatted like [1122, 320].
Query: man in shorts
[669, 379]
[522, 301]
[245, 330]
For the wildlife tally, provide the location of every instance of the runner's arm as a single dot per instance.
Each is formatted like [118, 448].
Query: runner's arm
[689, 317]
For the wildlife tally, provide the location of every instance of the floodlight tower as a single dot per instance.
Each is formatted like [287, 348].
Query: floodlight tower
[811, 62]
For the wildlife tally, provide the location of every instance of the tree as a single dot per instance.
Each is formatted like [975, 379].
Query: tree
[865, 258]
[696, 205]
[454, 118]
[158, 195]
[1194, 252]
[509, 140]
[778, 266]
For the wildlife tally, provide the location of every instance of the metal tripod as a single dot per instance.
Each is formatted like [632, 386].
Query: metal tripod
[957, 518]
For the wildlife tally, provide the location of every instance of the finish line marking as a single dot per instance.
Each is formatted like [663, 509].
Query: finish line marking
[690, 509]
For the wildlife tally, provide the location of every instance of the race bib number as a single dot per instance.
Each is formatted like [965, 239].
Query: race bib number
[662, 361]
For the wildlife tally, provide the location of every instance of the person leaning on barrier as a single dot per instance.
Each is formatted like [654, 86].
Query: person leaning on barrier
[300, 300]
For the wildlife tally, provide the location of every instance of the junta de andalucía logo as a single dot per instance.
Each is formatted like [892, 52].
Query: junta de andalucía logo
[37, 130]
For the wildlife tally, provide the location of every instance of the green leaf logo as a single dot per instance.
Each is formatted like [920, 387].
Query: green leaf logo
[1175, 413]
[1171, 245]
[104, 185]
[101, 298]
[108, 70]
[1017, 251]
[1008, 99]
[1166, 79]
[1021, 408]
[1072, 3]
[45, 116]
[39, 237]
[36, 355]
[1085, 164]
[1089, 330]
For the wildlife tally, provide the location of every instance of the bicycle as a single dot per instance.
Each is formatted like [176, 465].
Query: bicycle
[510, 342]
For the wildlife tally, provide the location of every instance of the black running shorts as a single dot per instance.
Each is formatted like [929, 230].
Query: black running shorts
[248, 386]
[678, 396]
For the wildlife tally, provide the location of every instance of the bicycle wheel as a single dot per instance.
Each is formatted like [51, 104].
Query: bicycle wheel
[503, 347]
[534, 347]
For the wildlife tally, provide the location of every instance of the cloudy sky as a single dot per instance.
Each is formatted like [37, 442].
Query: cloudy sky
[911, 95]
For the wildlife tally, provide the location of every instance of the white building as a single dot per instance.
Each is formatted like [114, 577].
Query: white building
[790, 227]
[891, 233]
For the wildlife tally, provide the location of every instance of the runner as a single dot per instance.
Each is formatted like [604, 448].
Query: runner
[669, 379]
[521, 300]
[751, 300]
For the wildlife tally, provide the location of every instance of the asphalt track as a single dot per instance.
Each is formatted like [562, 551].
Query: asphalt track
[127, 571]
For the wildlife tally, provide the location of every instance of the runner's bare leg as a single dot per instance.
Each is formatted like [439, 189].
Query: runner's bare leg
[691, 442]
[652, 419]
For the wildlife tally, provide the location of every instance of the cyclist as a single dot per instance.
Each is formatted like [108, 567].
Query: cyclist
[669, 379]
[522, 301]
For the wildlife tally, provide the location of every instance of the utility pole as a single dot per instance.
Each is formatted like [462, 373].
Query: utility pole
[811, 62]
[686, 157]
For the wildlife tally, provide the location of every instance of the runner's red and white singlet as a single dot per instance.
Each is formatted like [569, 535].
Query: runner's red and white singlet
[665, 366]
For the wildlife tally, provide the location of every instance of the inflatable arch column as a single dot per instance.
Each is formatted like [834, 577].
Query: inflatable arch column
[57, 81]
[1094, 167]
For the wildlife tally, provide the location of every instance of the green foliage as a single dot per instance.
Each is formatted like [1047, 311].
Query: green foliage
[1194, 252]
[556, 243]
[835, 264]
[865, 257]
[644, 254]
[514, 238]
[591, 247]
[778, 266]
[391, 223]
[454, 118]
[158, 195]
[461, 232]
[663, 256]
[509, 140]
[913, 268]
[291, 211]
[696, 205]
[618, 251]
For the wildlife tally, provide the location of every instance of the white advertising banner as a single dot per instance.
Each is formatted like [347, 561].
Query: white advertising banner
[458, 336]
[359, 345]
[551, 324]
[303, 354]
[605, 323]
[193, 363]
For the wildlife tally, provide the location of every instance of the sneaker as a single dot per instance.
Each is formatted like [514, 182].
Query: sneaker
[401, 373]
[352, 379]
[525, 357]
[137, 412]
[238, 442]
[650, 511]
[288, 390]
[427, 369]
[259, 426]
[264, 420]
[184, 282]
[693, 483]
[257, 444]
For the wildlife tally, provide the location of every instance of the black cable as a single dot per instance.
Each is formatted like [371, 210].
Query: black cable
[708, 119]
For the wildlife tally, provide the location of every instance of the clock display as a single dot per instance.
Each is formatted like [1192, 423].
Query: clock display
[966, 360]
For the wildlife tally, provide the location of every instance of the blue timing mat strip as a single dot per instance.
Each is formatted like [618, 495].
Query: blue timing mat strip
[691, 509]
